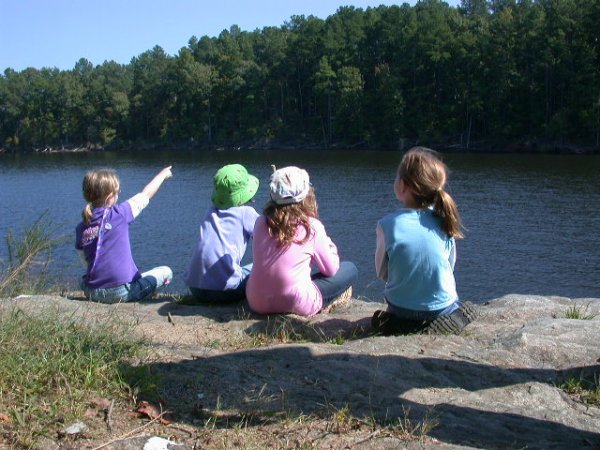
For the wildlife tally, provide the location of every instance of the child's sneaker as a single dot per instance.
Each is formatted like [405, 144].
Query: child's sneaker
[455, 322]
[340, 300]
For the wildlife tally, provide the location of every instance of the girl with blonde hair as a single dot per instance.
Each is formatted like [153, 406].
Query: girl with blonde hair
[103, 240]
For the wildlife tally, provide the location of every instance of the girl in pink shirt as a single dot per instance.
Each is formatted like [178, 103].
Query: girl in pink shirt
[288, 240]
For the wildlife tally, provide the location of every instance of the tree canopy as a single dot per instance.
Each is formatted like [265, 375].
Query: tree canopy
[500, 71]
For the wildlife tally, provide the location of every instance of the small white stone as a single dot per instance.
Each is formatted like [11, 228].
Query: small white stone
[76, 428]
[158, 443]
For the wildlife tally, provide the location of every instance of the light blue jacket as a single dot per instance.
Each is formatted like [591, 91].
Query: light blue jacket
[218, 253]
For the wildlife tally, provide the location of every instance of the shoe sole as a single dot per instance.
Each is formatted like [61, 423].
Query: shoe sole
[454, 323]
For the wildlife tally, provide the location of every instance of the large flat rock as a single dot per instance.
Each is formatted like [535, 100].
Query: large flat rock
[493, 386]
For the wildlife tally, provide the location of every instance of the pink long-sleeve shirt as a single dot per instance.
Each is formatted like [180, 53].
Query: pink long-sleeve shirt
[280, 280]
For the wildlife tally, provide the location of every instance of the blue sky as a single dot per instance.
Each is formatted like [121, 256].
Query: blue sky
[56, 33]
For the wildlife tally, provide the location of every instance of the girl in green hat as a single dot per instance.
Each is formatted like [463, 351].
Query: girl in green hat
[215, 274]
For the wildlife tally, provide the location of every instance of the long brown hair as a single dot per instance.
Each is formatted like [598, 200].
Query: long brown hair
[423, 170]
[283, 220]
[98, 185]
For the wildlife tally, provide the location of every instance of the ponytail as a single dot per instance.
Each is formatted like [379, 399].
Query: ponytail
[97, 186]
[86, 214]
[423, 170]
[445, 208]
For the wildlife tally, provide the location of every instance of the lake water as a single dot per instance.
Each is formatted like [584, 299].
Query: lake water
[532, 221]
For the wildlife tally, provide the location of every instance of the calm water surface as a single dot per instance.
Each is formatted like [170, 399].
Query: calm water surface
[533, 221]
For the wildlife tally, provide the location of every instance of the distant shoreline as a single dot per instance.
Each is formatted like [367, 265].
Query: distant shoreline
[526, 147]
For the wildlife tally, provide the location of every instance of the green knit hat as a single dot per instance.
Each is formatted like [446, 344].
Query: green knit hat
[233, 186]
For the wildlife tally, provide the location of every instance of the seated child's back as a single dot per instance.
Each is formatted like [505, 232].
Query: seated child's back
[215, 273]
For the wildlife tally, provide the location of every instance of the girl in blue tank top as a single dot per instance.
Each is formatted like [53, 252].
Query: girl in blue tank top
[416, 251]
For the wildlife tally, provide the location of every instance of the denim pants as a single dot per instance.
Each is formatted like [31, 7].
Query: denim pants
[137, 290]
[332, 287]
[409, 314]
[213, 296]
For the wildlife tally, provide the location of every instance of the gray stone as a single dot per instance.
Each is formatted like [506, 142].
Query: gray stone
[493, 386]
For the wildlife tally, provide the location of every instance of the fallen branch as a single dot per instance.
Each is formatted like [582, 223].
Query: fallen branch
[368, 438]
[109, 416]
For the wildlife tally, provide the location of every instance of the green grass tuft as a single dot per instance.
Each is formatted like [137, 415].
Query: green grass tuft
[584, 388]
[579, 312]
[53, 367]
[29, 254]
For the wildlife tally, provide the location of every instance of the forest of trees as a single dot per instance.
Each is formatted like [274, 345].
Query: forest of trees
[495, 73]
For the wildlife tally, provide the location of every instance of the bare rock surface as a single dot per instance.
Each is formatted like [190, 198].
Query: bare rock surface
[496, 385]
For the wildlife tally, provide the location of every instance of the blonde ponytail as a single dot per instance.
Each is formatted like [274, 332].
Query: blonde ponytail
[86, 214]
[97, 186]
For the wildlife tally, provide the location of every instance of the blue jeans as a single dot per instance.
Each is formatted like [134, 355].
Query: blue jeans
[131, 292]
[214, 296]
[409, 314]
[332, 287]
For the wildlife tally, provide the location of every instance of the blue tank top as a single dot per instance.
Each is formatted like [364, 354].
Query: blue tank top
[421, 259]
